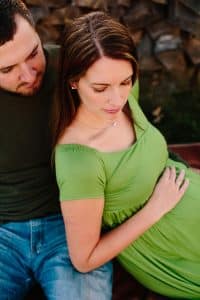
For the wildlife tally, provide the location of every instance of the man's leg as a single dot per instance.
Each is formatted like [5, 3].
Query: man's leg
[57, 276]
[15, 277]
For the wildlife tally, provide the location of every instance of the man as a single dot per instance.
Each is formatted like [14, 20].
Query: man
[32, 237]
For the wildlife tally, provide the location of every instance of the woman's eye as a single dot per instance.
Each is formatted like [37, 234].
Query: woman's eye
[127, 82]
[99, 90]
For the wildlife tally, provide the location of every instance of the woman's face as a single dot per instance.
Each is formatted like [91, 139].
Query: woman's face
[105, 87]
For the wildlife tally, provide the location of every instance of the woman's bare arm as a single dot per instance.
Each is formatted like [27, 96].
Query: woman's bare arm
[83, 218]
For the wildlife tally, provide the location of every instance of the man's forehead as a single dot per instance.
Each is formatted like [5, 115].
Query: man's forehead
[20, 47]
[12, 56]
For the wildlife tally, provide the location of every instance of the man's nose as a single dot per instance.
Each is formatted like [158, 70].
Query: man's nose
[27, 73]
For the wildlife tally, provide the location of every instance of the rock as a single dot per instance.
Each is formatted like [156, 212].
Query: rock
[186, 19]
[92, 4]
[160, 1]
[39, 12]
[48, 3]
[162, 28]
[192, 49]
[137, 36]
[194, 5]
[145, 48]
[126, 3]
[58, 16]
[34, 2]
[173, 61]
[48, 33]
[167, 42]
[141, 14]
[149, 64]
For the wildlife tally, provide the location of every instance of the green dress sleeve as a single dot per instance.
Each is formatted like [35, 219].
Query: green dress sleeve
[80, 172]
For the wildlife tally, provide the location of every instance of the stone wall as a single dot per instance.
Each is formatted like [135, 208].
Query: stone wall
[167, 33]
[167, 36]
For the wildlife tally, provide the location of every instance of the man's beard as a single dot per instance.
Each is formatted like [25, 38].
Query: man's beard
[33, 89]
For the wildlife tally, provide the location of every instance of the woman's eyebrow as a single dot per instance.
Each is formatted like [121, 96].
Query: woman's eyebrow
[102, 83]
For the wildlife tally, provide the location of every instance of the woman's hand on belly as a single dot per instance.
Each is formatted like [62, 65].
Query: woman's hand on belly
[168, 191]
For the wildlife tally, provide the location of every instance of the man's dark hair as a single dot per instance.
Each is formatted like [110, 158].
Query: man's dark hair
[8, 11]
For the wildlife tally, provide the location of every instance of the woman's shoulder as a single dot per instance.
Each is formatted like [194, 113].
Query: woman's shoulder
[75, 162]
[73, 150]
[76, 156]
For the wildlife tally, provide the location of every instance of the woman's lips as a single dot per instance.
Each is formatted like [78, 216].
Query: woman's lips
[112, 110]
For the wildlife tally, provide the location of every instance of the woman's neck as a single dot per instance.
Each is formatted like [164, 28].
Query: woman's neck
[96, 122]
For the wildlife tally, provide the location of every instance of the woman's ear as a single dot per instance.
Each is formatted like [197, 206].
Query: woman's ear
[73, 85]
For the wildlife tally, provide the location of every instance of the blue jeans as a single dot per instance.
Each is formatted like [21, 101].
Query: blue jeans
[35, 251]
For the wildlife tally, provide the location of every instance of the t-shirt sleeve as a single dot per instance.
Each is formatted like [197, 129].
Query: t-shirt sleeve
[80, 173]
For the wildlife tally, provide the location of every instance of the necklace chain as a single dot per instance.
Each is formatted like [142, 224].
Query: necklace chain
[112, 124]
[101, 130]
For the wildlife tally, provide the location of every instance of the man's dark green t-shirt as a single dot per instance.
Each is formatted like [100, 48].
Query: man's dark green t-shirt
[27, 184]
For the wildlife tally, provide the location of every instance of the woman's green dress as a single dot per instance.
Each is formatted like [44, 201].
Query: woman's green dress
[166, 258]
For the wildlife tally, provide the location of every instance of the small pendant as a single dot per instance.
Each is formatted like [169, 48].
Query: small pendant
[114, 124]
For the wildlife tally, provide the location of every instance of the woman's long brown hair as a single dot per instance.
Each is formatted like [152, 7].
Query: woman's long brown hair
[84, 41]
